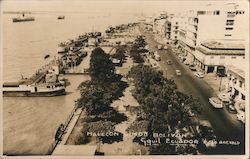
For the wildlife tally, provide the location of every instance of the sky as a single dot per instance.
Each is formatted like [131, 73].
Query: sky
[147, 7]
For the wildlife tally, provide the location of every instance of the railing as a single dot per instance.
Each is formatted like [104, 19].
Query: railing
[59, 138]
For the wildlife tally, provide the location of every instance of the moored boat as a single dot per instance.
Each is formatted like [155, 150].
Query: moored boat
[62, 48]
[22, 19]
[16, 89]
[46, 56]
[61, 17]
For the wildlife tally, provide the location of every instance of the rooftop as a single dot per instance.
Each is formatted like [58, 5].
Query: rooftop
[236, 70]
[224, 45]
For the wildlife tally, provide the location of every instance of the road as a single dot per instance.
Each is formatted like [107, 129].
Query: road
[225, 127]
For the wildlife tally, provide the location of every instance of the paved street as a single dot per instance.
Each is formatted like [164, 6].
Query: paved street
[225, 126]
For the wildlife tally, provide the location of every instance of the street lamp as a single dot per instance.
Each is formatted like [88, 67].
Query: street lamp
[220, 83]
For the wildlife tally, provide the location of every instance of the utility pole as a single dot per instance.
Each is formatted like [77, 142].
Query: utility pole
[220, 83]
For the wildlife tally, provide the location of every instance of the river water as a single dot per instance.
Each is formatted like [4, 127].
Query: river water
[29, 123]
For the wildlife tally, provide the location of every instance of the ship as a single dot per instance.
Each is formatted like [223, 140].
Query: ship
[62, 48]
[61, 17]
[44, 83]
[46, 56]
[23, 89]
[23, 18]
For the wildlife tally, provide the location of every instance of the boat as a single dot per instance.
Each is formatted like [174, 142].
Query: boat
[23, 19]
[23, 89]
[61, 17]
[46, 56]
[41, 84]
[62, 48]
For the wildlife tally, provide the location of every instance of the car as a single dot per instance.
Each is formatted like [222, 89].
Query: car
[160, 47]
[157, 57]
[215, 102]
[178, 72]
[186, 63]
[155, 65]
[199, 74]
[221, 74]
[231, 109]
[192, 68]
[224, 97]
[169, 62]
[241, 117]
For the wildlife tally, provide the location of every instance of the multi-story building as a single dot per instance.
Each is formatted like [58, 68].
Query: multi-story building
[236, 82]
[160, 28]
[227, 23]
[216, 55]
[175, 27]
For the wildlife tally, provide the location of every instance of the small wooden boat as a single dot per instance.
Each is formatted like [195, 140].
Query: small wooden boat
[46, 56]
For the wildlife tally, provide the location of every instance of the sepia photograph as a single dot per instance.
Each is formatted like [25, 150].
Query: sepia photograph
[140, 78]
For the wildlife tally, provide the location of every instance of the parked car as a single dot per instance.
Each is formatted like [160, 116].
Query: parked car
[157, 57]
[186, 63]
[169, 62]
[160, 47]
[241, 117]
[178, 72]
[215, 102]
[231, 109]
[199, 74]
[224, 97]
[192, 68]
[155, 65]
[221, 74]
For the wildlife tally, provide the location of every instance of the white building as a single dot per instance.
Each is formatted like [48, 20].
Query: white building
[175, 27]
[236, 82]
[229, 22]
[215, 55]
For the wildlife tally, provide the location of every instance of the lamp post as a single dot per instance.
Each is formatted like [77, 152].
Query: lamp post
[220, 83]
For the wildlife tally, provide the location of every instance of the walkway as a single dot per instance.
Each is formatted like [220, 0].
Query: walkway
[61, 147]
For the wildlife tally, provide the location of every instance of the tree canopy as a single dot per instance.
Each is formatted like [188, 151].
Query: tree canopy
[166, 110]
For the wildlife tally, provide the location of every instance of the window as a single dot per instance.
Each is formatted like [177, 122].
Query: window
[228, 34]
[176, 23]
[201, 12]
[176, 27]
[233, 57]
[229, 28]
[243, 57]
[217, 12]
[175, 37]
[240, 84]
[243, 97]
[235, 80]
[48, 86]
[176, 32]
[230, 22]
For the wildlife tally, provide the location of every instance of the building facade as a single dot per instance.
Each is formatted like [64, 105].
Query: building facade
[236, 82]
[213, 56]
[197, 26]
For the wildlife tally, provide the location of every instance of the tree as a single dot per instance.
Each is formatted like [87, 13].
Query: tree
[140, 42]
[120, 53]
[166, 109]
[101, 67]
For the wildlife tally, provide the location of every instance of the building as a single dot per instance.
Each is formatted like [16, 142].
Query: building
[196, 26]
[236, 82]
[214, 55]
[175, 27]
